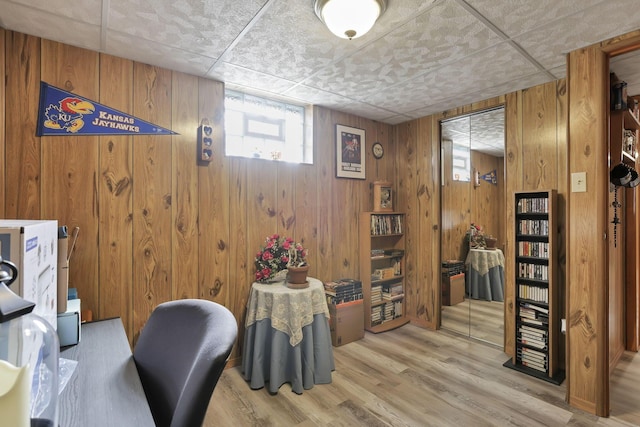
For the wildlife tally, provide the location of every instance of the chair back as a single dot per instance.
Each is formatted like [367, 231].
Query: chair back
[180, 355]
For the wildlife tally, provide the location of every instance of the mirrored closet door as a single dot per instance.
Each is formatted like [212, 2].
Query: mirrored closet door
[472, 165]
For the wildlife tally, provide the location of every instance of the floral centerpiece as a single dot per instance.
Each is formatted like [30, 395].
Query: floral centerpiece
[475, 237]
[277, 254]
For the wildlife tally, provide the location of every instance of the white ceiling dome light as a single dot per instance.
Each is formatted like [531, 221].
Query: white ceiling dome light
[349, 19]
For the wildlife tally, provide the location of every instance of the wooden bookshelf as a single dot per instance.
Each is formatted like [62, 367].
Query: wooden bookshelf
[382, 252]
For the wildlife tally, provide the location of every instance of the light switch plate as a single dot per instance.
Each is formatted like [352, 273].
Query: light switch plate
[579, 182]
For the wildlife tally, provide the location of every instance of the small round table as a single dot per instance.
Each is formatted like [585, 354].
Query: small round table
[287, 337]
[485, 274]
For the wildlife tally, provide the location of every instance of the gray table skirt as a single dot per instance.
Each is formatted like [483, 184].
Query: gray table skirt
[269, 358]
[489, 287]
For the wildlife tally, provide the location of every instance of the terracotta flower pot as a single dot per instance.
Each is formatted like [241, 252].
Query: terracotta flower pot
[297, 277]
[491, 242]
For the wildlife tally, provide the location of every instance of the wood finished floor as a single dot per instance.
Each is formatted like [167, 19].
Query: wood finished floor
[416, 377]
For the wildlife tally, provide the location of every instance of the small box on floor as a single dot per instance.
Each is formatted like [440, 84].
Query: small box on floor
[346, 322]
[69, 324]
[453, 289]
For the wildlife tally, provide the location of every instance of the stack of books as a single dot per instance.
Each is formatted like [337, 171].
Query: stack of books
[376, 294]
[386, 224]
[376, 315]
[397, 308]
[388, 313]
[343, 291]
[392, 292]
[533, 293]
[533, 359]
[532, 337]
[533, 314]
[384, 273]
[452, 267]
[377, 253]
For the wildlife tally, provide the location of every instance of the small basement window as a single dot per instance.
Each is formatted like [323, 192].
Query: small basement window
[262, 128]
[461, 163]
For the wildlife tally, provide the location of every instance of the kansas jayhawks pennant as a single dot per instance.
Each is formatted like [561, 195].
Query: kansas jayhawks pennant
[65, 113]
[491, 177]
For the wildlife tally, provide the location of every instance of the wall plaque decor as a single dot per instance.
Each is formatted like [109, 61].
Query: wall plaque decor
[350, 149]
[382, 196]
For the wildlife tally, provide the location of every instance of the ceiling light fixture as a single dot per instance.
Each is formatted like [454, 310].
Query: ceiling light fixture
[349, 19]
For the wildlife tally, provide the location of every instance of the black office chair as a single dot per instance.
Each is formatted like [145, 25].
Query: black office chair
[180, 355]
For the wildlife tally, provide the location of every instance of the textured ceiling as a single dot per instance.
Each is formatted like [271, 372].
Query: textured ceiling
[483, 131]
[421, 57]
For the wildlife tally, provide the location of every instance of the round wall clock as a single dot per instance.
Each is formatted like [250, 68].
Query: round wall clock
[378, 150]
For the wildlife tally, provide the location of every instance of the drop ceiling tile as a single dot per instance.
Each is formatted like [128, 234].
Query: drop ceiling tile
[524, 81]
[338, 102]
[157, 54]
[87, 11]
[439, 107]
[53, 27]
[396, 120]
[559, 72]
[475, 72]
[290, 41]
[248, 78]
[316, 96]
[550, 43]
[514, 17]
[441, 34]
[462, 98]
[202, 27]
[363, 110]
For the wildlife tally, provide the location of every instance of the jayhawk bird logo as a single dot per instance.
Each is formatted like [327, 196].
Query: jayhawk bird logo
[68, 115]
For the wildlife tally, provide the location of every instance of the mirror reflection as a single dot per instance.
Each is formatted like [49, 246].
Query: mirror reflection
[473, 225]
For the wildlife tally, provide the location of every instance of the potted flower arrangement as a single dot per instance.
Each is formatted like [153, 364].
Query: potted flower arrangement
[475, 237]
[297, 267]
[278, 255]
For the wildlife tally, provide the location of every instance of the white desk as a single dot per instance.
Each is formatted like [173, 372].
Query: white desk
[485, 274]
[287, 337]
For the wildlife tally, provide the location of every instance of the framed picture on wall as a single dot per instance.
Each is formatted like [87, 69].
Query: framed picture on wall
[350, 149]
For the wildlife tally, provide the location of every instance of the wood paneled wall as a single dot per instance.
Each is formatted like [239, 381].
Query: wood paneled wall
[588, 213]
[456, 209]
[487, 200]
[155, 225]
[419, 176]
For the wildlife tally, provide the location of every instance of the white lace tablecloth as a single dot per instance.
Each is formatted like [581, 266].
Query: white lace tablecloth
[288, 309]
[483, 260]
